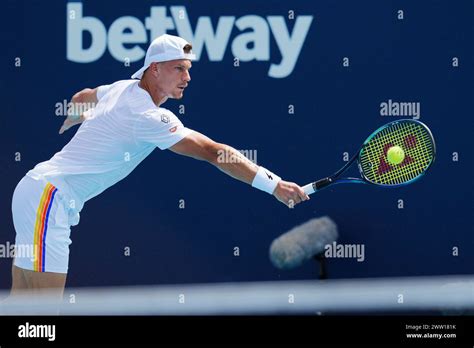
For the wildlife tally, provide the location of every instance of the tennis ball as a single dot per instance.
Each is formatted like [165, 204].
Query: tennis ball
[395, 155]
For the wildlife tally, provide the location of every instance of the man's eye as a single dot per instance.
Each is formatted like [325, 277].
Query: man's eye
[179, 68]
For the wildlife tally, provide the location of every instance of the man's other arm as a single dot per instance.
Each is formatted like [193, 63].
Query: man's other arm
[82, 100]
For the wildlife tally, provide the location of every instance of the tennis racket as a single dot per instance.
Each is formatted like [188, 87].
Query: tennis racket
[377, 167]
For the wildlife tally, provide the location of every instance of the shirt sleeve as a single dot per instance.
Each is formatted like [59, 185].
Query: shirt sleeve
[102, 90]
[160, 127]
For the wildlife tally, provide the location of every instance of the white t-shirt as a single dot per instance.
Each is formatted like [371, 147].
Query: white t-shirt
[123, 129]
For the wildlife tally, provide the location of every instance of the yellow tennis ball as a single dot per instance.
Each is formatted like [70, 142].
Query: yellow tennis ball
[395, 155]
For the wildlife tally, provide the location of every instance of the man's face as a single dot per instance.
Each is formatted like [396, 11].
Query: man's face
[173, 77]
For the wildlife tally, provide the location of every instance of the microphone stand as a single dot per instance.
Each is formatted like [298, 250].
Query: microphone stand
[323, 274]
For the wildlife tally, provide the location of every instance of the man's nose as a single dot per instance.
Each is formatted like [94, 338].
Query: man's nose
[187, 76]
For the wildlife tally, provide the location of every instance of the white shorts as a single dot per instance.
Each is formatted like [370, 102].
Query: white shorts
[42, 223]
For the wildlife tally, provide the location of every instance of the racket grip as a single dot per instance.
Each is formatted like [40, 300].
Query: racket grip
[317, 185]
[308, 189]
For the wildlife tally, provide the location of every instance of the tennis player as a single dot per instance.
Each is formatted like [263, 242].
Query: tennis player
[125, 126]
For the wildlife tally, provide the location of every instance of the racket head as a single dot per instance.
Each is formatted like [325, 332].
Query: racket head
[418, 144]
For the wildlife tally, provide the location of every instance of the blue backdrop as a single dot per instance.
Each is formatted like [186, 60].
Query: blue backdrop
[355, 55]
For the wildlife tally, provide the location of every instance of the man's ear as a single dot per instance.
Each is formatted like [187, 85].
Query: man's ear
[155, 69]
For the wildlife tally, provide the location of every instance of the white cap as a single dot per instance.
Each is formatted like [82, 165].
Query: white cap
[162, 49]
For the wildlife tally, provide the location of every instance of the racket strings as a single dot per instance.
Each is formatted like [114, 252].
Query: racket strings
[417, 144]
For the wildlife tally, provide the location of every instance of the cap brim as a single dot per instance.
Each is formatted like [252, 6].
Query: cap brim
[139, 73]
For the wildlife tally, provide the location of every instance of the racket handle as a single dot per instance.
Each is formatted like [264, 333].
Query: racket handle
[317, 185]
[308, 189]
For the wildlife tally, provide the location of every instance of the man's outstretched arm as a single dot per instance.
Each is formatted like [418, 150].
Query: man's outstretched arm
[198, 146]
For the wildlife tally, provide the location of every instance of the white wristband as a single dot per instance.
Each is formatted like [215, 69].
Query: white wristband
[265, 180]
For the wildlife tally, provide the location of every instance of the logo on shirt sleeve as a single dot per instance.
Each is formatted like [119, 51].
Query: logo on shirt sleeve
[165, 119]
[172, 130]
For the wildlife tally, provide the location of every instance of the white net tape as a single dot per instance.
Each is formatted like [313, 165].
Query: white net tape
[451, 294]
